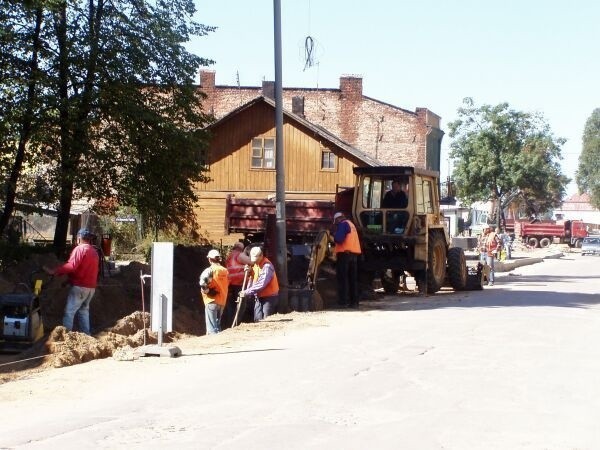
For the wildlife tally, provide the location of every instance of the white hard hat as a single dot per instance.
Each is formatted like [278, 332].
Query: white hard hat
[213, 254]
[337, 215]
[255, 253]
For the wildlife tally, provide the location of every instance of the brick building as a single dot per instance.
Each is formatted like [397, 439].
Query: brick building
[390, 134]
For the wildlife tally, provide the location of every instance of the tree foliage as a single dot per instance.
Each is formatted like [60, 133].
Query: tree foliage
[116, 112]
[501, 154]
[588, 173]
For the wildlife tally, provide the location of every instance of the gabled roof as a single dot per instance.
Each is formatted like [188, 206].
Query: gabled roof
[318, 130]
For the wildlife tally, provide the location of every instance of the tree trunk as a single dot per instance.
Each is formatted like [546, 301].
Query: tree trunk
[66, 182]
[26, 126]
[73, 148]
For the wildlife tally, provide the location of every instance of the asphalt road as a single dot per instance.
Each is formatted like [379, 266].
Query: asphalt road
[513, 367]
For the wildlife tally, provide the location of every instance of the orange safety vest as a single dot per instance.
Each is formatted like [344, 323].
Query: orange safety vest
[270, 289]
[491, 243]
[219, 283]
[351, 243]
[235, 268]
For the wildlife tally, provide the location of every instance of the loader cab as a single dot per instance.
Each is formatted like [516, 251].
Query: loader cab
[388, 198]
[383, 204]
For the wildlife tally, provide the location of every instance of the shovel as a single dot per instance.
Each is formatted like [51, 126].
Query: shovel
[239, 300]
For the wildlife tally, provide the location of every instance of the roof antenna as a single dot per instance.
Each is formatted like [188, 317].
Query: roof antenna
[237, 80]
[309, 46]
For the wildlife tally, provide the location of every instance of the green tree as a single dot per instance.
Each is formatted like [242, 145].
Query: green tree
[588, 173]
[501, 154]
[119, 99]
[21, 47]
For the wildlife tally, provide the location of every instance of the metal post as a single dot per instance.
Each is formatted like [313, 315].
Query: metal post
[160, 320]
[280, 166]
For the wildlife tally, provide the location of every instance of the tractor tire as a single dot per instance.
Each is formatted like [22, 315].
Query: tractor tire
[435, 275]
[533, 242]
[578, 243]
[457, 269]
[545, 242]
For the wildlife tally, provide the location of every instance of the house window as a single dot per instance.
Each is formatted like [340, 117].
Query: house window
[328, 160]
[263, 153]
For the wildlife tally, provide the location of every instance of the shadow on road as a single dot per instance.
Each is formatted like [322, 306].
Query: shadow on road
[517, 292]
[232, 352]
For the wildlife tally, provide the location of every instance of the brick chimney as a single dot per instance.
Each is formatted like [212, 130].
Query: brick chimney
[268, 89]
[298, 106]
[351, 87]
[207, 85]
[351, 101]
[207, 80]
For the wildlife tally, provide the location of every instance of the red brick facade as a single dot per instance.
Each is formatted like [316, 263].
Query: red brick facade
[393, 135]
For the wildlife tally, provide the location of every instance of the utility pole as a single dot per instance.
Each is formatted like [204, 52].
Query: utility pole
[280, 166]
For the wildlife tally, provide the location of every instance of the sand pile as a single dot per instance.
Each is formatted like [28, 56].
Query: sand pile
[67, 348]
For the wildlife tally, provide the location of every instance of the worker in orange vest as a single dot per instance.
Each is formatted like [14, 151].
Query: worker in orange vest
[347, 250]
[264, 287]
[235, 263]
[492, 242]
[214, 285]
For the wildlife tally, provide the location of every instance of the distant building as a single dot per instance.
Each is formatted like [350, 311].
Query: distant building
[578, 207]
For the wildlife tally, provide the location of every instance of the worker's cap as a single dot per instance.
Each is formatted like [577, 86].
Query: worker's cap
[84, 233]
[337, 215]
[255, 253]
[213, 254]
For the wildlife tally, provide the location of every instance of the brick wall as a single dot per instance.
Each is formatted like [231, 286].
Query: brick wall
[388, 133]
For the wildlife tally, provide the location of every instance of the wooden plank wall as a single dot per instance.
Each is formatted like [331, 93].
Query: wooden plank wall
[230, 156]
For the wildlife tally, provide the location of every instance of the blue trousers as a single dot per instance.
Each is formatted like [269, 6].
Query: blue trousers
[264, 307]
[212, 314]
[78, 304]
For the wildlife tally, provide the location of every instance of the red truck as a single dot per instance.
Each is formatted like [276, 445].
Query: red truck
[542, 234]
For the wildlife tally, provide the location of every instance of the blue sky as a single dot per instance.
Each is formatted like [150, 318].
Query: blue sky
[539, 56]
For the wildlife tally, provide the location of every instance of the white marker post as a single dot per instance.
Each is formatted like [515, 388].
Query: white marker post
[161, 307]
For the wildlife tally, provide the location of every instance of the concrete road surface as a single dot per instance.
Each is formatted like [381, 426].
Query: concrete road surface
[516, 366]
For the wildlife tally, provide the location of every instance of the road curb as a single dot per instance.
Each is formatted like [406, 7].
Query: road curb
[503, 266]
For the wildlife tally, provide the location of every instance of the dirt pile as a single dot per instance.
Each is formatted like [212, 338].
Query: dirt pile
[67, 348]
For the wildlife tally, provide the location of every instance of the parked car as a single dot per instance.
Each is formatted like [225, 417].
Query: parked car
[590, 245]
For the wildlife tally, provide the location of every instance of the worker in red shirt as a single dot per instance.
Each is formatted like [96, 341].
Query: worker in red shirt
[82, 271]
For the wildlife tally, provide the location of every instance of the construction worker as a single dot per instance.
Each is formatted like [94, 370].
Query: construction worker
[82, 270]
[493, 244]
[235, 262]
[214, 284]
[264, 287]
[347, 249]
[481, 247]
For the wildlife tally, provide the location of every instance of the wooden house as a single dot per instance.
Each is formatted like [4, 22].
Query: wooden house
[241, 159]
